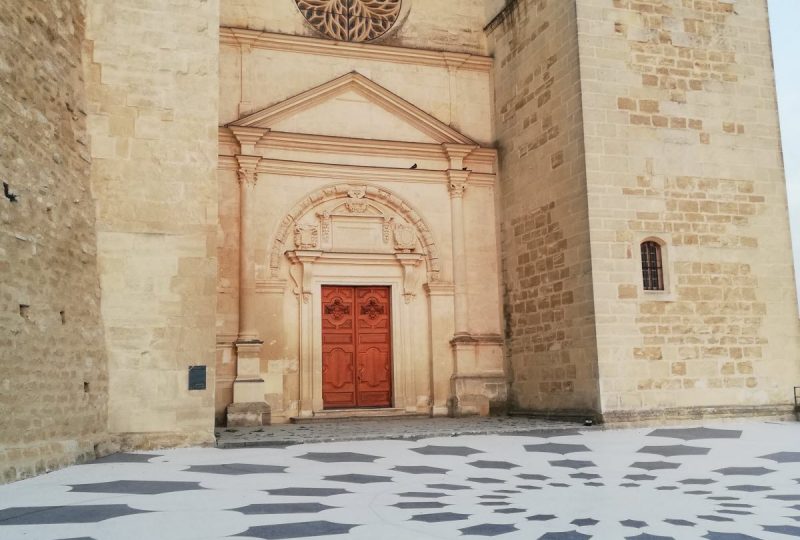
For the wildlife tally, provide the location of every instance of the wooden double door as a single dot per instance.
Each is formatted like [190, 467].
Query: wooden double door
[356, 347]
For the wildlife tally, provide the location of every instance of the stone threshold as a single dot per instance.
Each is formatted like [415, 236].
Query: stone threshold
[355, 415]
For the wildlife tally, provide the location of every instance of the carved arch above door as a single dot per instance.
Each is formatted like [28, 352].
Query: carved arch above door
[403, 229]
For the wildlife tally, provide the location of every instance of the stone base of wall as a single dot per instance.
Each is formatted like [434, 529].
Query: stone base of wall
[127, 442]
[679, 414]
[18, 463]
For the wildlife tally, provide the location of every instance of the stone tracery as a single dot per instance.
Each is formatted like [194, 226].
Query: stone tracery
[351, 20]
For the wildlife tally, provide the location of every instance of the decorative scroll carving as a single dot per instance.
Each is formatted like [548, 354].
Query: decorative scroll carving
[337, 309]
[306, 236]
[351, 20]
[372, 308]
[325, 226]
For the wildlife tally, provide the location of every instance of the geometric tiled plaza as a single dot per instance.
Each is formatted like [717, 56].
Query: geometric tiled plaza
[721, 481]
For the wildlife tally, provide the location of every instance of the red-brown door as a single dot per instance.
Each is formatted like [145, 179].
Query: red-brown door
[356, 347]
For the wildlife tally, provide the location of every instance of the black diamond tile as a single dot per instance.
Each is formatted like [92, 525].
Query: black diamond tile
[51, 515]
[680, 522]
[533, 477]
[306, 492]
[413, 505]
[655, 465]
[493, 497]
[558, 484]
[694, 434]
[566, 535]
[339, 457]
[584, 522]
[736, 505]
[629, 485]
[541, 517]
[735, 512]
[712, 535]
[297, 530]
[784, 497]
[494, 503]
[674, 450]
[284, 508]
[783, 457]
[488, 529]
[666, 488]
[124, 457]
[697, 481]
[440, 517]
[744, 471]
[722, 498]
[584, 476]
[421, 495]
[482, 464]
[640, 477]
[594, 484]
[237, 469]
[358, 478]
[749, 488]
[509, 510]
[420, 470]
[572, 463]
[556, 448]
[452, 487]
[136, 487]
[714, 518]
[635, 524]
[486, 480]
[507, 491]
[698, 492]
[525, 486]
[462, 451]
[788, 530]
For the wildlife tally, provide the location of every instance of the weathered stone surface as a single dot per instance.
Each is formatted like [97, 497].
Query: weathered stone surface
[53, 380]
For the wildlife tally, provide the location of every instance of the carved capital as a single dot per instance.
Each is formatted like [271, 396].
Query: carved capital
[248, 137]
[457, 182]
[248, 169]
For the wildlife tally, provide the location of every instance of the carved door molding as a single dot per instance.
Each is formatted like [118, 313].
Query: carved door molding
[356, 347]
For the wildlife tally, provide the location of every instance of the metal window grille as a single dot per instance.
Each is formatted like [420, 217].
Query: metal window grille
[652, 268]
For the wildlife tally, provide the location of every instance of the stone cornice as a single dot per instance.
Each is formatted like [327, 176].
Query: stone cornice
[345, 145]
[363, 51]
[355, 172]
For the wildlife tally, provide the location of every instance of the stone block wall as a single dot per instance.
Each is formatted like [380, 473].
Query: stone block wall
[152, 74]
[543, 207]
[682, 146]
[53, 379]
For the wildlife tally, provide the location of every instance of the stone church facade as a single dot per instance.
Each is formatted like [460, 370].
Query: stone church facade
[386, 207]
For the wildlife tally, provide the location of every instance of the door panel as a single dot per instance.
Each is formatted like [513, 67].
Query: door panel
[338, 347]
[356, 347]
[373, 357]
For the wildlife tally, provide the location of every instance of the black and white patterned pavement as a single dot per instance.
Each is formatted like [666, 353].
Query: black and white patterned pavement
[719, 482]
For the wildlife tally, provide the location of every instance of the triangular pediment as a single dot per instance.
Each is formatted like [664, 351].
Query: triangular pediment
[353, 106]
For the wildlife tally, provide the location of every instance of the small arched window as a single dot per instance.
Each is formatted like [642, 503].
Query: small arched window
[652, 266]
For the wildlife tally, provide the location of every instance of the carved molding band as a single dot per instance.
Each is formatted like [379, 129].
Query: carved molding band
[351, 20]
[308, 238]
